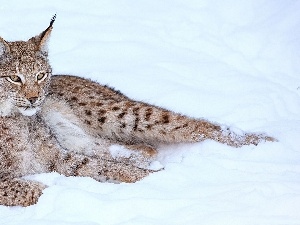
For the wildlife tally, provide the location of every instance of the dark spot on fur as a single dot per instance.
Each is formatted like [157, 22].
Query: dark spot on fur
[136, 122]
[123, 125]
[51, 166]
[176, 128]
[156, 122]
[148, 113]
[148, 126]
[4, 127]
[162, 132]
[9, 139]
[165, 118]
[88, 112]
[87, 122]
[85, 161]
[115, 108]
[102, 119]
[136, 111]
[82, 103]
[74, 98]
[121, 115]
[101, 112]
[180, 127]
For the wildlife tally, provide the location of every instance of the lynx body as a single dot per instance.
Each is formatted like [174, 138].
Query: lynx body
[78, 127]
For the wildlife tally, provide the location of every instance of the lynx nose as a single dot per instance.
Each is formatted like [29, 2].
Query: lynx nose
[32, 99]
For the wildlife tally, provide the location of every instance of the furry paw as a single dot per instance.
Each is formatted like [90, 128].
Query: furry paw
[17, 192]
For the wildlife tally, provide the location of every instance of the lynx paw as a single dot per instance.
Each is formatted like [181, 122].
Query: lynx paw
[19, 192]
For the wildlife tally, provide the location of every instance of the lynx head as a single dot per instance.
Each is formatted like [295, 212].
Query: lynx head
[24, 74]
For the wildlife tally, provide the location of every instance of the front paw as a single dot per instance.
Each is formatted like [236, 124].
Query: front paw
[18, 192]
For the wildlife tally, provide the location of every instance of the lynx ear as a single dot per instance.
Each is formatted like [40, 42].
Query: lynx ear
[42, 39]
[4, 47]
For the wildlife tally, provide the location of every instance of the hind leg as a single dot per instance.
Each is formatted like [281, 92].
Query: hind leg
[72, 135]
[100, 168]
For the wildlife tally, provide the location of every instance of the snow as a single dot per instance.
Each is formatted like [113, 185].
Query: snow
[233, 62]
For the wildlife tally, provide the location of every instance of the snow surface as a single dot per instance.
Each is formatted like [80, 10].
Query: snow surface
[233, 62]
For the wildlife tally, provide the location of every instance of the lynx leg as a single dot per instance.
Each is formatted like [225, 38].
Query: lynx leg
[72, 164]
[18, 192]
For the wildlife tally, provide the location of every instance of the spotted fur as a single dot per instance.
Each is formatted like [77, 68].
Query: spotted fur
[109, 114]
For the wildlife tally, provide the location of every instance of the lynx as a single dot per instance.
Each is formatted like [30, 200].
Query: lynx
[78, 127]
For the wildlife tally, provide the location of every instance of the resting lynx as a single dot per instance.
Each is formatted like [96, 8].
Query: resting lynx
[79, 128]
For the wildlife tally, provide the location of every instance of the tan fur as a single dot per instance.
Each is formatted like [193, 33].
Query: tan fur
[78, 127]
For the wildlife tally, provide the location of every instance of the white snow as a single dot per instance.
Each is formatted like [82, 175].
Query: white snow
[234, 62]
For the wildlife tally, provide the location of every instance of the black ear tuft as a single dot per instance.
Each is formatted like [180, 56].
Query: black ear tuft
[52, 20]
[43, 38]
[50, 25]
[46, 32]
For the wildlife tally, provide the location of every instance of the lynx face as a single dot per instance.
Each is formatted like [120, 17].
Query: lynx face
[24, 74]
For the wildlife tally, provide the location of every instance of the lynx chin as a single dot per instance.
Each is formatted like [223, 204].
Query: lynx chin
[77, 127]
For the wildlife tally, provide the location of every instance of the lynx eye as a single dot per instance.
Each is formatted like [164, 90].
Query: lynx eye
[14, 79]
[41, 76]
